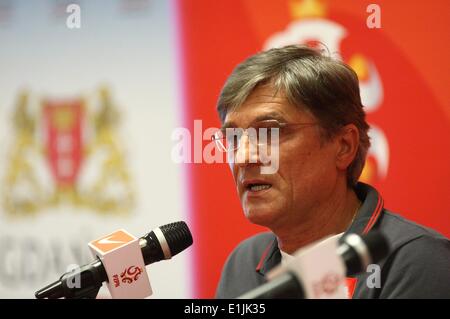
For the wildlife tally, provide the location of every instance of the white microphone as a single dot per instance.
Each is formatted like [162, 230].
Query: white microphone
[121, 260]
[318, 271]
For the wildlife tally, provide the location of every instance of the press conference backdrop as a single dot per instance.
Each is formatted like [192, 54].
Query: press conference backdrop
[87, 117]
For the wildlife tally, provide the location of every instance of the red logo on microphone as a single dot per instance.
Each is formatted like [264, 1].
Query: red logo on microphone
[128, 276]
[328, 285]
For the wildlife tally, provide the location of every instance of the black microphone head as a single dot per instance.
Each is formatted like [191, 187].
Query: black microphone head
[178, 236]
[358, 251]
[166, 241]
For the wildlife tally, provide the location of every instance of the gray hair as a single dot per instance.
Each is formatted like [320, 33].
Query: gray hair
[324, 86]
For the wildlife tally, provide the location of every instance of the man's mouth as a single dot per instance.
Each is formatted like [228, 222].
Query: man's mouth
[257, 187]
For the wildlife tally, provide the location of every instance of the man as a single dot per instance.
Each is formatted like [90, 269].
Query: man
[314, 102]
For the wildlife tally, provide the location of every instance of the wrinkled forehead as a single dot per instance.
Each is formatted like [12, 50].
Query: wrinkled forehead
[265, 103]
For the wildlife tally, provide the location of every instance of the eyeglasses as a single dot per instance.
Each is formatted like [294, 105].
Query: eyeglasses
[228, 139]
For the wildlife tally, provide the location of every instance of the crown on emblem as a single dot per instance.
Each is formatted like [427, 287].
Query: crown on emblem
[307, 8]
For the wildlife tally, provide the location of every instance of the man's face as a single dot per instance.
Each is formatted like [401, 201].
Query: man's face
[307, 171]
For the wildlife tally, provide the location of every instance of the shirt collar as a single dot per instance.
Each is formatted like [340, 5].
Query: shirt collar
[370, 210]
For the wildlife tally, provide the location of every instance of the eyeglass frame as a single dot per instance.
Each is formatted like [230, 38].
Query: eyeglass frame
[281, 125]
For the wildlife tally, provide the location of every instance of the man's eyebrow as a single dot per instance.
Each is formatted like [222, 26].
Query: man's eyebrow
[270, 116]
[259, 118]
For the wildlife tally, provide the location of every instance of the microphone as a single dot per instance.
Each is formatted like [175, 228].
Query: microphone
[161, 243]
[356, 252]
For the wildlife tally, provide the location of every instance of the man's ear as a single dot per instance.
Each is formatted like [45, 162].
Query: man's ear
[347, 142]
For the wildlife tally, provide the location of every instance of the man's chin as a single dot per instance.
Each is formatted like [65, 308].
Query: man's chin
[261, 217]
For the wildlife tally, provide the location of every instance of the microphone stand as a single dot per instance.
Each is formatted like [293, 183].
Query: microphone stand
[90, 275]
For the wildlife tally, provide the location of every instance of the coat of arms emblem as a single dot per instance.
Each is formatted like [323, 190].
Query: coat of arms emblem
[66, 151]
